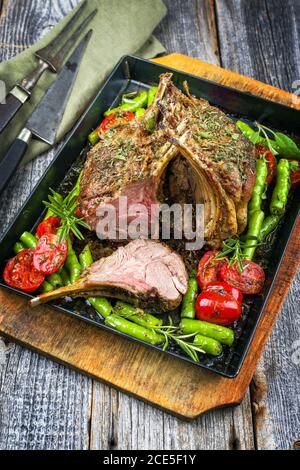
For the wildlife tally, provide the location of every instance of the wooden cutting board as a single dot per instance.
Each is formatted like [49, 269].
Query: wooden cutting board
[164, 381]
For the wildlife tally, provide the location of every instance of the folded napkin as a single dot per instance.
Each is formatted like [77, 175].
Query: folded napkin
[119, 27]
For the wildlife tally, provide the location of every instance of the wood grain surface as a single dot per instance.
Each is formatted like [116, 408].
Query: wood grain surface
[35, 393]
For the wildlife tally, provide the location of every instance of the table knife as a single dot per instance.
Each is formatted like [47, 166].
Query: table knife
[45, 119]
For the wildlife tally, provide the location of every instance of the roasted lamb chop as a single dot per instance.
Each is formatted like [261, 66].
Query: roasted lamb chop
[132, 161]
[144, 272]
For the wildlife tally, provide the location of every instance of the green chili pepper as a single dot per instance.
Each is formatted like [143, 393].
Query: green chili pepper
[72, 263]
[282, 187]
[259, 188]
[18, 246]
[255, 222]
[28, 240]
[131, 329]
[140, 113]
[151, 95]
[136, 315]
[209, 345]
[220, 333]
[139, 102]
[93, 137]
[189, 299]
[250, 133]
[269, 224]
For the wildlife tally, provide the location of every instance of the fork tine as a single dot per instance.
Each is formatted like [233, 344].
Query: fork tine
[58, 58]
[47, 53]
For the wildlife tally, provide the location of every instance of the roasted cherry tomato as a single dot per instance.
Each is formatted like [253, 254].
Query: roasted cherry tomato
[250, 281]
[271, 162]
[295, 173]
[218, 307]
[49, 225]
[224, 287]
[49, 254]
[20, 272]
[208, 269]
[114, 120]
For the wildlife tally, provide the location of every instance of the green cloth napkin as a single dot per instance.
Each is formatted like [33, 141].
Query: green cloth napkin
[119, 27]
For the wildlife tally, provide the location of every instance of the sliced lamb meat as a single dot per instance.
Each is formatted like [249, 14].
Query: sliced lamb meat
[143, 272]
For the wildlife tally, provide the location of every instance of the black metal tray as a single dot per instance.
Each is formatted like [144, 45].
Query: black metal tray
[131, 73]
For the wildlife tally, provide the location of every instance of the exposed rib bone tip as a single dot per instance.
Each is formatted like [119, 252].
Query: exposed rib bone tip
[34, 302]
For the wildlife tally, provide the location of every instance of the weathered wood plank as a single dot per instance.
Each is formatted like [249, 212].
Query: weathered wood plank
[261, 39]
[254, 42]
[43, 405]
[121, 422]
[190, 28]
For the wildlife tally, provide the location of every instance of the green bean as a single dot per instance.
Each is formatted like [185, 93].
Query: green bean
[136, 315]
[255, 222]
[269, 224]
[46, 287]
[131, 329]
[85, 257]
[282, 187]
[209, 345]
[64, 276]
[151, 95]
[93, 137]
[140, 113]
[18, 246]
[251, 134]
[55, 280]
[189, 299]
[259, 186]
[28, 240]
[139, 102]
[72, 264]
[220, 333]
[101, 304]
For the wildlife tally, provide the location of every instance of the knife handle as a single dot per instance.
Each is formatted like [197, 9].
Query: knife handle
[14, 101]
[13, 157]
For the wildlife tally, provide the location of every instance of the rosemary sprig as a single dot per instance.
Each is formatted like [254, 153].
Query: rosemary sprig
[65, 210]
[172, 332]
[233, 251]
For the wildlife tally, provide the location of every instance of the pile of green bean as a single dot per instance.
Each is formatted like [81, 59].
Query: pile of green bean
[136, 104]
[260, 226]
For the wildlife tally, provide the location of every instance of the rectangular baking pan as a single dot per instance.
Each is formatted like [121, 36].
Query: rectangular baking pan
[129, 74]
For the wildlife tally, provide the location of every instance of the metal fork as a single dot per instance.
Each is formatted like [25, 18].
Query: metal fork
[51, 57]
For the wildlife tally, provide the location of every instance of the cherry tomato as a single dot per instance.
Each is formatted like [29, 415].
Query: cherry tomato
[271, 162]
[114, 120]
[49, 225]
[295, 173]
[224, 287]
[250, 281]
[49, 254]
[218, 307]
[208, 269]
[20, 272]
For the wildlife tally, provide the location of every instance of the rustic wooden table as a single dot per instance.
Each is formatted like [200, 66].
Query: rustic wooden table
[44, 405]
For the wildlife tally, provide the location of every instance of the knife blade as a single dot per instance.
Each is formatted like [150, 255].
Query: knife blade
[45, 119]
